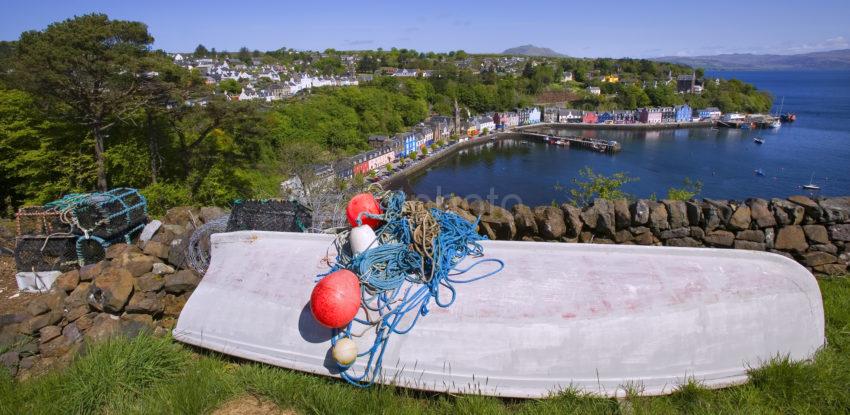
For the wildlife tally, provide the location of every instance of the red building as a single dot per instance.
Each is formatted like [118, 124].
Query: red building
[361, 165]
[589, 117]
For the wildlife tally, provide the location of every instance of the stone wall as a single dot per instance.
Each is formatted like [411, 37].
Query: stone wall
[816, 233]
[138, 287]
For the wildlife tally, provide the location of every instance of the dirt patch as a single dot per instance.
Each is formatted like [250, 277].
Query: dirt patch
[250, 405]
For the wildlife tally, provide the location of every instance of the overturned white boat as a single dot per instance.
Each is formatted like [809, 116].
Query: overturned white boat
[597, 318]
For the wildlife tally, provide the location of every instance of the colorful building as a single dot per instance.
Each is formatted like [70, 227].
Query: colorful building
[650, 115]
[589, 117]
[684, 113]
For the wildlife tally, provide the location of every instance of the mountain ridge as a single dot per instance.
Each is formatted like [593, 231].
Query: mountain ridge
[826, 60]
[531, 50]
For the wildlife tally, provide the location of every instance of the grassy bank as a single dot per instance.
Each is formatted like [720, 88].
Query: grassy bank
[151, 375]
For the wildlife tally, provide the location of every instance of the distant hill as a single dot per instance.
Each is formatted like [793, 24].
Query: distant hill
[531, 50]
[832, 60]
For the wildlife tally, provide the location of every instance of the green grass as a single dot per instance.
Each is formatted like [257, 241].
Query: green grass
[158, 376]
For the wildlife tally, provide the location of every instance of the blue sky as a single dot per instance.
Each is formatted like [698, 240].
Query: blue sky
[579, 28]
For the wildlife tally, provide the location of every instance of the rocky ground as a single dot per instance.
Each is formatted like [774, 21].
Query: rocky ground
[138, 287]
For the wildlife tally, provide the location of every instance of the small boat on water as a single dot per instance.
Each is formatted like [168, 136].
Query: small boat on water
[811, 185]
[776, 123]
[758, 140]
[759, 172]
[789, 117]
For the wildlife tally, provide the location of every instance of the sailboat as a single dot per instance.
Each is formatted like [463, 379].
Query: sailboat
[758, 140]
[811, 185]
[759, 172]
[777, 122]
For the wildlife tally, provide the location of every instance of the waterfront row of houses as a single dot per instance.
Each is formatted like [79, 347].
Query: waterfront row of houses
[388, 149]
[649, 115]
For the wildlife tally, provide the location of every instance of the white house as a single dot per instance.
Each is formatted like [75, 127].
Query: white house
[594, 90]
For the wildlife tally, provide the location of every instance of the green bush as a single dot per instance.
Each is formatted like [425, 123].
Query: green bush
[163, 196]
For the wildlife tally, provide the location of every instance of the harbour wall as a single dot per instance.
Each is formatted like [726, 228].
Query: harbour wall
[815, 233]
[637, 126]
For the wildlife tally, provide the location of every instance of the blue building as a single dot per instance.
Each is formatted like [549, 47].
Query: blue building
[408, 140]
[710, 113]
[605, 117]
[684, 113]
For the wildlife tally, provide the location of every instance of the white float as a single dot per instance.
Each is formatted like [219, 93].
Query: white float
[36, 282]
[599, 318]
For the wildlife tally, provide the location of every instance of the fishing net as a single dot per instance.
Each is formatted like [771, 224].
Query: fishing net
[38, 220]
[108, 214]
[45, 253]
[269, 215]
[198, 251]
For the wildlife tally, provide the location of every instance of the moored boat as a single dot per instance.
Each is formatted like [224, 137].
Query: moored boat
[758, 140]
[788, 117]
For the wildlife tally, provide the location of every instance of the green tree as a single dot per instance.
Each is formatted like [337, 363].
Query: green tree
[244, 55]
[689, 190]
[231, 86]
[95, 69]
[591, 185]
[201, 51]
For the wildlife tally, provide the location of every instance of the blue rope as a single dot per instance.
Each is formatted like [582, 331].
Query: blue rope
[394, 282]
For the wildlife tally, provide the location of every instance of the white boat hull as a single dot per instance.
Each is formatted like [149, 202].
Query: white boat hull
[597, 318]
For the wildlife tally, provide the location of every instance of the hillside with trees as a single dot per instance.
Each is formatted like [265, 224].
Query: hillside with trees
[87, 104]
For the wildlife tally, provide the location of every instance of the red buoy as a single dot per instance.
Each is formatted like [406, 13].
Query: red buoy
[336, 299]
[364, 202]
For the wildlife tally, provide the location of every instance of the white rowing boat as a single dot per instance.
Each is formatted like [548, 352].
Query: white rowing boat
[597, 318]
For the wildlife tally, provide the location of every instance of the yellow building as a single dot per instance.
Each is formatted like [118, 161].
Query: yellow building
[611, 78]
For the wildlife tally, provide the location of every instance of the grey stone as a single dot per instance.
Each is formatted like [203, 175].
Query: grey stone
[658, 217]
[10, 361]
[831, 269]
[813, 210]
[48, 333]
[752, 235]
[184, 280]
[816, 234]
[697, 233]
[791, 238]
[589, 216]
[161, 269]
[149, 282]
[722, 209]
[761, 213]
[677, 211]
[749, 245]
[694, 213]
[156, 249]
[640, 212]
[177, 251]
[787, 213]
[88, 272]
[111, 290]
[526, 225]
[769, 237]
[71, 332]
[675, 233]
[828, 248]
[68, 281]
[839, 233]
[499, 220]
[719, 238]
[145, 303]
[622, 215]
[550, 222]
[572, 219]
[138, 265]
[78, 297]
[814, 259]
[33, 324]
[740, 219]
[209, 213]
[683, 242]
[37, 306]
[605, 221]
[836, 209]
[182, 215]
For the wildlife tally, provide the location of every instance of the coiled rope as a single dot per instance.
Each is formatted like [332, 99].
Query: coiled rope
[415, 263]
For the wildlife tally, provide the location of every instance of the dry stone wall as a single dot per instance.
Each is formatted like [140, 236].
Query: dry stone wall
[815, 233]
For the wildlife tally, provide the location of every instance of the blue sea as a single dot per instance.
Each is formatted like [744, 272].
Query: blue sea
[815, 148]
